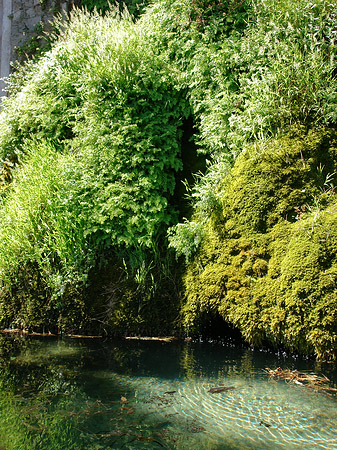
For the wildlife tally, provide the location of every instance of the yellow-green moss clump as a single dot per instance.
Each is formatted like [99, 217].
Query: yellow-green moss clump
[268, 263]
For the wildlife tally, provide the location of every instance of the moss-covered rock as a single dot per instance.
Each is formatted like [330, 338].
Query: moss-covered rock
[268, 264]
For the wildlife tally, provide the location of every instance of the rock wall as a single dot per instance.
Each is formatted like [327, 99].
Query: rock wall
[5, 39]
[18, 22]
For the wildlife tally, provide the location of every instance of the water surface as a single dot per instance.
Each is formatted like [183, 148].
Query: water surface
[105, 394]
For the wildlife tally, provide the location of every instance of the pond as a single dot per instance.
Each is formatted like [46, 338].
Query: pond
[93, 394]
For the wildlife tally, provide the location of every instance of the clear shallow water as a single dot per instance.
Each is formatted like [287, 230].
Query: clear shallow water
[85, 394]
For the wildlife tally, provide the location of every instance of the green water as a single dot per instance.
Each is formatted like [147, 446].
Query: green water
[104, 394]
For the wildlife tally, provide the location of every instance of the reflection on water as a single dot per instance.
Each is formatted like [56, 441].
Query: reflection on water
[98, 395]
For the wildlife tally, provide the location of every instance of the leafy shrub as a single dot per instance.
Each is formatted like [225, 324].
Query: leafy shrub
[106, 177]
[255, 83]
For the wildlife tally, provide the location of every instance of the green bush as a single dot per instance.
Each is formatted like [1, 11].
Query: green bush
[100, 175]
[254, 83]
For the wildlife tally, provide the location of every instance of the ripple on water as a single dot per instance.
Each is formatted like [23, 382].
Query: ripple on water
[257, 414]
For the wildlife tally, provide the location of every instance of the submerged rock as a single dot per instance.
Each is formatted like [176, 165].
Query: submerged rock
[215, 390]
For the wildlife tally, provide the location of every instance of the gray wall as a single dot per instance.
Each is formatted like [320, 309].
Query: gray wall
[5, 48]
[17, 21]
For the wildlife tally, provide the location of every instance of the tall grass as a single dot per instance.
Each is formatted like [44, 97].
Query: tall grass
[43, 248]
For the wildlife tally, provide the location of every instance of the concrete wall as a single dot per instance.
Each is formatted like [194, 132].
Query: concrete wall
[18, 19]
[5, 48]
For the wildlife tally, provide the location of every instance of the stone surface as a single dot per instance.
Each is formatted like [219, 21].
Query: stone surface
[18, 19]
[5, 49]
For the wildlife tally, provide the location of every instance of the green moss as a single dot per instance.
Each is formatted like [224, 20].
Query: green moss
[268, 263]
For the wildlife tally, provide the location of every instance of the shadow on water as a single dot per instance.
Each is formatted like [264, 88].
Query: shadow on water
[108, 394]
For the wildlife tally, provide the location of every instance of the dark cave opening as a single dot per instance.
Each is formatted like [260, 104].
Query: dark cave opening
[193, 163]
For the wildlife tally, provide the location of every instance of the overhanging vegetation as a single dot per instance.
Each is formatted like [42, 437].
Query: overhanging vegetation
[91, 148]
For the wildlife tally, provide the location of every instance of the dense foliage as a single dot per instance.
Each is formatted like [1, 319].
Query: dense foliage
[94, 149]
[101, 166]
